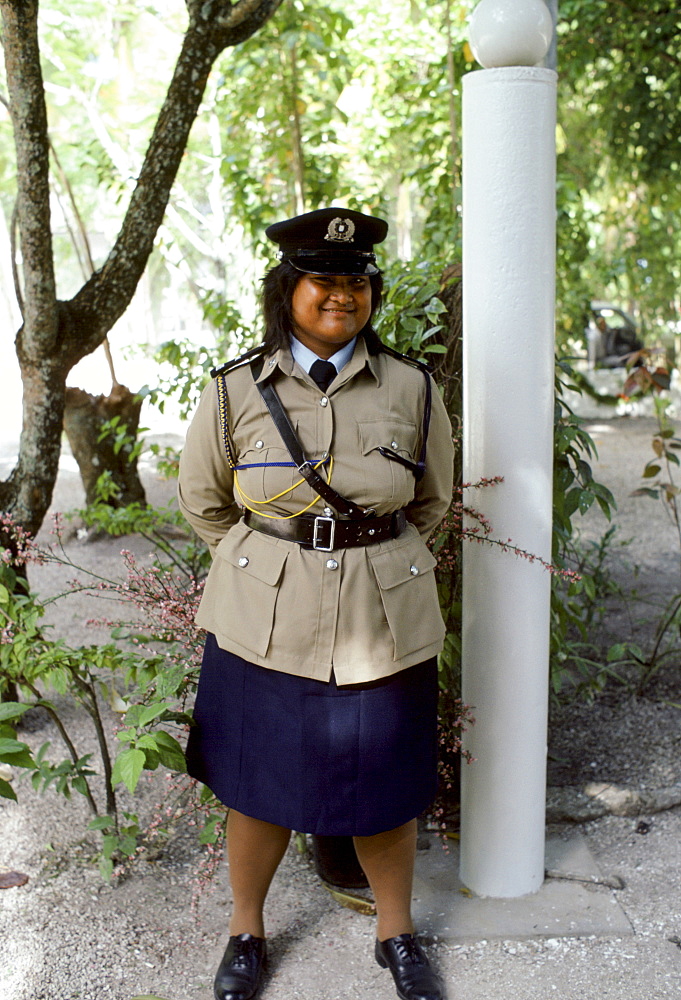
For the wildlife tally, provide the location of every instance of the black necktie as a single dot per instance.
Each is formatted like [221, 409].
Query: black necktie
[323, 372]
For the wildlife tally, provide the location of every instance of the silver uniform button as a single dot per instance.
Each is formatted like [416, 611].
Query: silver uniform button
[414, 570]
[243, 562]
[324, 401]
[259, 444]
[331, 564]
[328, 512]
[394, 445]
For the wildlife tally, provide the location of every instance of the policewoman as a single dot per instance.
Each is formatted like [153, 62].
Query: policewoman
[315, 468]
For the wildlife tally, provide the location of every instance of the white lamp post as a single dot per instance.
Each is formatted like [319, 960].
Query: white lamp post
[509, 295]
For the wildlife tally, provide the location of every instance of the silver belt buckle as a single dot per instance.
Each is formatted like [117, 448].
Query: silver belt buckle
[332, 532]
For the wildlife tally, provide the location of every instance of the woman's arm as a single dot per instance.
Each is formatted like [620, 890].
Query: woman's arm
[433, 493]
[206, 482]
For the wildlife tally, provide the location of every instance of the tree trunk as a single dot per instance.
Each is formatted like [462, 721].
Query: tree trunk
[55, 335]
[95, 452]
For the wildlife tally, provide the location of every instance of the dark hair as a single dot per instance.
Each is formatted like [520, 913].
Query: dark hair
[278, 287]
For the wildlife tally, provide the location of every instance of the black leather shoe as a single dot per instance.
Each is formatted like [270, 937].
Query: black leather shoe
[240, 971]
[414, 978]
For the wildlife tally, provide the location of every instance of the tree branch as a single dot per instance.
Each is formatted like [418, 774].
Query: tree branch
[106, 295]
[249, 15]
[239, 21]
[56, 335]
[85, 240]
[13, 227]
[73, 753]
[29, 119]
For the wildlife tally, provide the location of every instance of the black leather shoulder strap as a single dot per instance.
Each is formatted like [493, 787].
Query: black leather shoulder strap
[418, 468]
[406, 358]
[295, 450]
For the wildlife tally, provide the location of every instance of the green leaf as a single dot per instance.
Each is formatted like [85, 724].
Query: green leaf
[80, 784]
[605, 507]
[15, 753]
[11, 710]
[571, 502]
[151, 759]
[651, 470]
[435, 307]
[411, 324]
[149, 713]
[128, 768]
[100, 823]
[170, 751]
[146, 742]
[6, 790]
[586, 498]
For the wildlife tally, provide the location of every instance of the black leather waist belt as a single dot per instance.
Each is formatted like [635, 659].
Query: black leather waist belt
[328, 533]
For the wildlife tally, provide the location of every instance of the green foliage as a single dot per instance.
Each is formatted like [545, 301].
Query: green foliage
[626, 58]
[278, 92]
[189, 365]
[648, 377]
[119, 840]
[122, 440]
[147, 682]
[576, 604]
[412, 308]
[620, 153]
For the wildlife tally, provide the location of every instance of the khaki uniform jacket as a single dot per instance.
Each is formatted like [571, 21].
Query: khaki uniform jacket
[365, 612]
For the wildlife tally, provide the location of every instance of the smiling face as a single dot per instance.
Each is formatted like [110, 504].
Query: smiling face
[329, 310]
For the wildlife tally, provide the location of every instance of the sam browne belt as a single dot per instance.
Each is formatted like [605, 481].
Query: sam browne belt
[328, 533]
[358, 525]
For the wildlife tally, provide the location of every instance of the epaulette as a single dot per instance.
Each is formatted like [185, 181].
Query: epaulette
[414, 362]
[238, 362]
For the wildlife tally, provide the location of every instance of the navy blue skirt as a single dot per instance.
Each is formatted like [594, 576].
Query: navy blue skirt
[311, 756]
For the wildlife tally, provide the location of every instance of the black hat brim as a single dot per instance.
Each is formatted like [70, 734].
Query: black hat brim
[348, 264]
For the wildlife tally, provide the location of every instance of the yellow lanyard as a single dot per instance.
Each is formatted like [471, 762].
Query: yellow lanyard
[282, 517]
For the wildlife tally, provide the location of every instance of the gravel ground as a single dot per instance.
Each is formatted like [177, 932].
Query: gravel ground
[66, 935]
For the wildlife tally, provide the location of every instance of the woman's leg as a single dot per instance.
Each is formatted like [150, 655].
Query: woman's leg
[388, 863]
[254, 849]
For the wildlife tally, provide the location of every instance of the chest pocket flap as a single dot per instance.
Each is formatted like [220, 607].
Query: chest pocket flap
[398, 435]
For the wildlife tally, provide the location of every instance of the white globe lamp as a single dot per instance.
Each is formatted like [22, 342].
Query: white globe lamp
[510, 32]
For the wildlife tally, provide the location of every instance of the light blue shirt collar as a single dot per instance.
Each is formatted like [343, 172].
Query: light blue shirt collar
[306, 358]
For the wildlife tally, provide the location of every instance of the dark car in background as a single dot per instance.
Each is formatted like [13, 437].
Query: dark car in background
[611, 335]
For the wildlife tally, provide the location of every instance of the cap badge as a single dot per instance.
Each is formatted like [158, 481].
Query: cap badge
[341, 230]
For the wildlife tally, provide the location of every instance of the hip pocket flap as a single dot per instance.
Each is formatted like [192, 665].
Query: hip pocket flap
[402, 564]
[255, 555]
